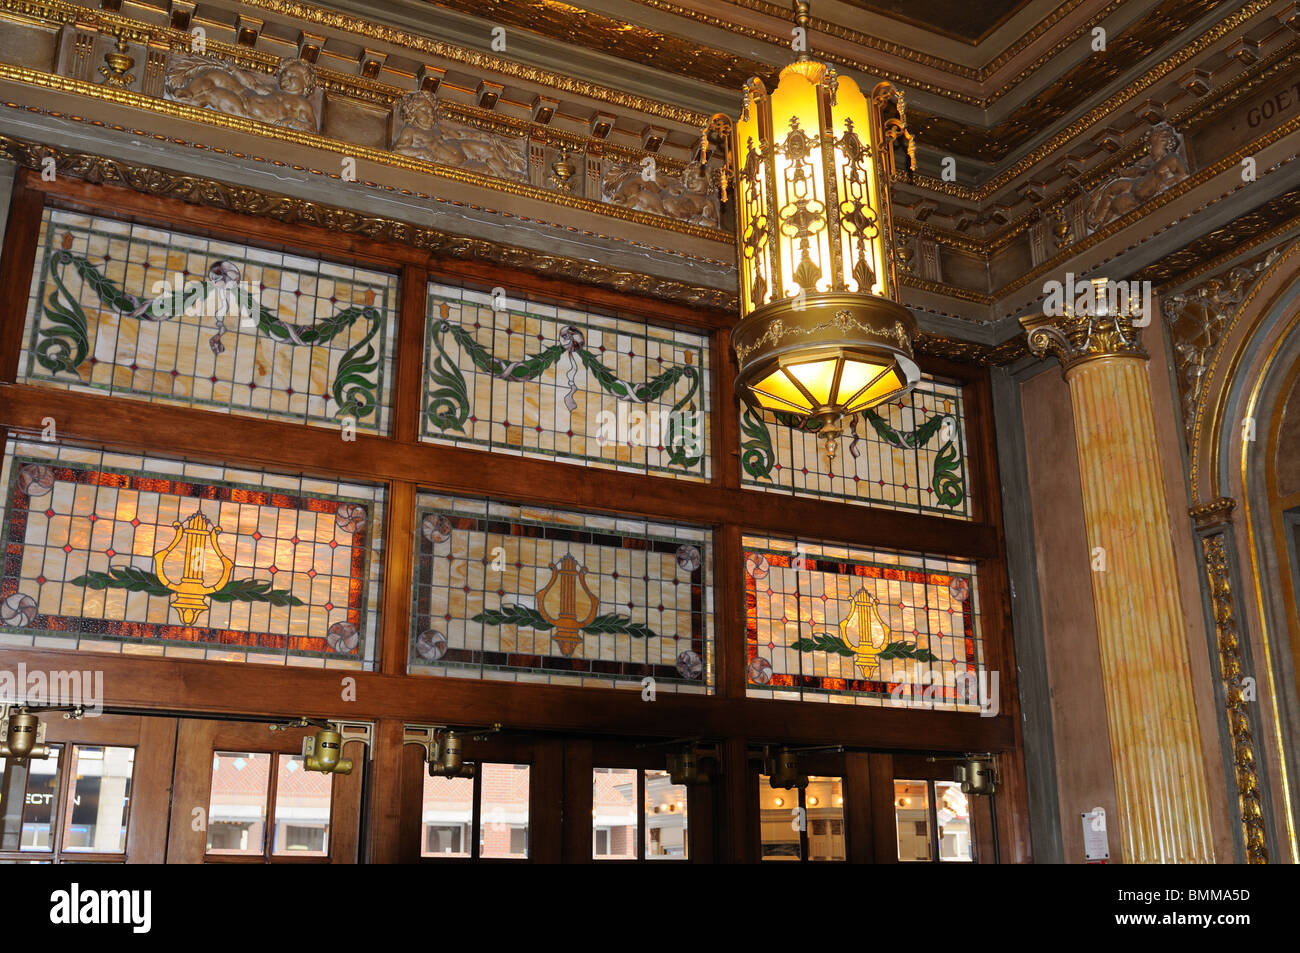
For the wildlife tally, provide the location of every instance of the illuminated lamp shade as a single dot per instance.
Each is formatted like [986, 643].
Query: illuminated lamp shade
[821, 334]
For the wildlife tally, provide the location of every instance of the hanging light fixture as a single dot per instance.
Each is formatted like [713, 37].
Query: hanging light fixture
[821, 333]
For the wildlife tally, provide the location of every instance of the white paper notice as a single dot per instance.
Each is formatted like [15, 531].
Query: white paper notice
[1096, 847]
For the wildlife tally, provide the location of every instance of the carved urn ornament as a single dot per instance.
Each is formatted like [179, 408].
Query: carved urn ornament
[821, 334]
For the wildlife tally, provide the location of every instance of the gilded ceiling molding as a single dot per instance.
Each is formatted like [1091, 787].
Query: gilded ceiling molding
[970, 352]
[208, 117]
[1164, 198]
[1272, 220]
[1196, 320]
[218, 150]
[831, 29]
[595, 31]
[948, 291]
[199, 190]
[65, 13]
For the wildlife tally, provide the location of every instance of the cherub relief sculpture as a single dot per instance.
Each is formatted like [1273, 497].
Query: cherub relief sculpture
[688, 199]
[290, 98]
[1164, 165]
[420, 132]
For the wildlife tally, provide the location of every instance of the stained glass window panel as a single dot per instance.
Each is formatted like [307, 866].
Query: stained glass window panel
[518, 376]
[860, 626]
[543, 595]
[128, 310]
[122, 553]
[909, 454]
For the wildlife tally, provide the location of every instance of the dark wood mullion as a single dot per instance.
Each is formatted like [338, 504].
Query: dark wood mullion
[398, 575]
[22, 237]
[724, 417]
[476, 807]
[995, 617]
[62, 799]
[268, 829]
[407, 392]
[641, 823]
[141, 427]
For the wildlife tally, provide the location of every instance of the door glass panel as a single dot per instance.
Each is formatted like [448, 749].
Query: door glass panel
[824, 803]
[34, 831]
[665, 817]
[613, 813]
[503, 811]
[237, 805]
[447, 817]
[952, 811]
[302, 809]
[779, 821]
[101, 799]
[912, 817]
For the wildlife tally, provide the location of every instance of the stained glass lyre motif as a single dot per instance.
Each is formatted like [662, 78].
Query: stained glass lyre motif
[124, 553]
[872, 627]
[534, 594]
[160, 315]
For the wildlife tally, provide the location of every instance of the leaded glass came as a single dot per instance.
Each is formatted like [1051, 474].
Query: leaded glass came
[909, 454]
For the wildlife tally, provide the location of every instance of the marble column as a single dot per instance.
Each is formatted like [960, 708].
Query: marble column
[1155, 744]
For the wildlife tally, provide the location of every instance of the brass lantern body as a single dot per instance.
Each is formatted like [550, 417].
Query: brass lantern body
[24, 738]
[821, 333]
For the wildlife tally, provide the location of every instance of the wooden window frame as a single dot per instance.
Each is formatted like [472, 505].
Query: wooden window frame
[406, 466]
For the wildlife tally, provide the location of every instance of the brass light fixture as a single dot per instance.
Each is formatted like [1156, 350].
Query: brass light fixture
[323, 751]
[23, 736]
[821, 334]
[444, 748]
[686, 765]
[781, 765]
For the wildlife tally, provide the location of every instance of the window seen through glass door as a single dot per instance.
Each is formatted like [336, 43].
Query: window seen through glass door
[637, 814]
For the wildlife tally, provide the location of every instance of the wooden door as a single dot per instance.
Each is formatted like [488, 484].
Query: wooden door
[241, 795]
[101, 796]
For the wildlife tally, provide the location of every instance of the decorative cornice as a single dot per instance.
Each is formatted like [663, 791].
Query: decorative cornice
[200, 190]
[61, 12]
[383, 157]
[970, 352]
[1271, 220]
